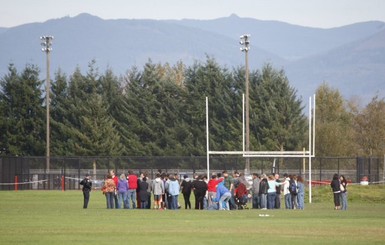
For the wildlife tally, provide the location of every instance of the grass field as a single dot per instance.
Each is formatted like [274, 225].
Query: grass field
[54, 217]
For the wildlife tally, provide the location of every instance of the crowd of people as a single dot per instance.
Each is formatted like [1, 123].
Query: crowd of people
[339, 187]
[223, 191]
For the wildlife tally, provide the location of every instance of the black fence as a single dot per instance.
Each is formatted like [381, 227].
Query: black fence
[64, 173]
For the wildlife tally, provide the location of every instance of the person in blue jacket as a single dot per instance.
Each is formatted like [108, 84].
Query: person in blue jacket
[223, 196]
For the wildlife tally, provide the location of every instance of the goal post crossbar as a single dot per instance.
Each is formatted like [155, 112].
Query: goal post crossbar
[276, 153]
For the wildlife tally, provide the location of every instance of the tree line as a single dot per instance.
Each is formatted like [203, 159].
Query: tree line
[159, 110]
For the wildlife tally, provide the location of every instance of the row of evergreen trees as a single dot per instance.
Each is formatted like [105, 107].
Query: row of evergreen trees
[158, 110]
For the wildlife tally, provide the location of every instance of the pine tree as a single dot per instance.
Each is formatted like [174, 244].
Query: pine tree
[281, 124]
[23, 114]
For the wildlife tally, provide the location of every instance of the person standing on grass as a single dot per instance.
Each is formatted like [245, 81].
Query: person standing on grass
[255, 191]
[109, 189]
[143, 194]
[293, 188]
[278, 192]
[286, 191]
[272, 192]
[122, 191]
[263, 187]
[301, 193]
[173, 190]
[87, 186]
[200, 188]
[132, 186]
[148, 180]
[158, 191]
[212, 187]
[344, 193]
[335, 185]
[186, 191]
[116, 180]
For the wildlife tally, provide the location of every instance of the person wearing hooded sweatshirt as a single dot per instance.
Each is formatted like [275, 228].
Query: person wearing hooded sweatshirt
[157, 190]
[186, 191]
[173, 190]
[223, 196]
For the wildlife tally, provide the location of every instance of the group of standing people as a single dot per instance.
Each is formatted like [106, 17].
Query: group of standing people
[131, 191]
[267, 190]
[223, 191]
[339, 187]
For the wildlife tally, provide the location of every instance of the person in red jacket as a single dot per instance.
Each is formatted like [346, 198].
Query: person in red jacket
[116, 180]
[212, 188]
[132, 186]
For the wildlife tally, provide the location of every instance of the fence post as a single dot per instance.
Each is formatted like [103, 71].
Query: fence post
[62, 183]
[16, 183]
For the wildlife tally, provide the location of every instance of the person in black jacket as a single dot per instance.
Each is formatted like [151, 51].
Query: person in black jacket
[335, 185]
[186, 191]
[200, 188]
[143, 192]
[263, 187]
[87, 186]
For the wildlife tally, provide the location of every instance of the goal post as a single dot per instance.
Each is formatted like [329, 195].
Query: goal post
[310, 153]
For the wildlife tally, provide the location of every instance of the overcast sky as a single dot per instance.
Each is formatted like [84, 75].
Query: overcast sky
[315, 13]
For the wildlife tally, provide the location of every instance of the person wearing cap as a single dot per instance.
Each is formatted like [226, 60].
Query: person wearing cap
[87, 186]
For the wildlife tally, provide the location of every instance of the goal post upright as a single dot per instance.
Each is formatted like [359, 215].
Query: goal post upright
[310, 147]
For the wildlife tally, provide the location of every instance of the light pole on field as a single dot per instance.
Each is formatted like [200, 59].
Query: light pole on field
[245, 42]
[46, 43]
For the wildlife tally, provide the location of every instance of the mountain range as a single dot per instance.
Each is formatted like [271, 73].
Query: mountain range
[349, 58]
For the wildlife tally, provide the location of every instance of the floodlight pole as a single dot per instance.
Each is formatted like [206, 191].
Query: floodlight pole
[46, 47]
[245, 42]
[207, 138]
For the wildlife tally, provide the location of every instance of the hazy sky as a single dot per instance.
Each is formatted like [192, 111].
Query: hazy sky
[315, 13]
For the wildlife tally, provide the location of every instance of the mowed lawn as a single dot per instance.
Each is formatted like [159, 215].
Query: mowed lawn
[55, 217]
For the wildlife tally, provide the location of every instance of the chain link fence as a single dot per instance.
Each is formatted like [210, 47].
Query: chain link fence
[64, 173]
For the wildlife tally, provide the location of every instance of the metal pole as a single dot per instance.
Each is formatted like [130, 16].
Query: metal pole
[243, 123]
[310, 147]
[48, 134]
[207, 138]
[313, 126]
[246, 46]
[47, 43]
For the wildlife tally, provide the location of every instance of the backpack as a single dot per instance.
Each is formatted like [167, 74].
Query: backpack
[293, 188]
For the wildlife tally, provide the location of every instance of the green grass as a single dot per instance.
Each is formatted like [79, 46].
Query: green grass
[54, 217]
